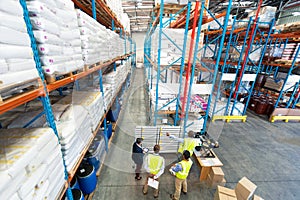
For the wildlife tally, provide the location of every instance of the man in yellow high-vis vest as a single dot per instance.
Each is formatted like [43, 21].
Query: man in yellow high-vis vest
[189, 143]
[181, 171]
[154, 165]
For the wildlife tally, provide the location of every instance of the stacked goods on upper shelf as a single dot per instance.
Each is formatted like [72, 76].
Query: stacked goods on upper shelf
[180, 2]
[97, 42]
[115, 79]
[17, 66]
[166, 95]
[31, 164]
[266, 15]
[57, 34]
[290, 51]
[125, 21]
[171, 50]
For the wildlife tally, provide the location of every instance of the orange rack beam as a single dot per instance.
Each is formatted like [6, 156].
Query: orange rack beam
[21, 99]
[60, 83]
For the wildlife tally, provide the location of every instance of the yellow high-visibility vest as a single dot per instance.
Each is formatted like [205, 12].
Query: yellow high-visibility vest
[188, 144]
[154, 163]
[186, 166]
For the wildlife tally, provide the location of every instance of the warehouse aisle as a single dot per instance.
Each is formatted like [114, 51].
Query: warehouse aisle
[116, 180]
[267, 153]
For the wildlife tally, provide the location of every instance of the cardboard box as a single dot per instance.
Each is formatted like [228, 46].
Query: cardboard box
[216, 174]
[245, 189]
[224, 193]
[210, 183]
[255, 197]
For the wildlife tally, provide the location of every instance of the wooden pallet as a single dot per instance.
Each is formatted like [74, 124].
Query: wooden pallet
[54, 77]
[290, 27]
[169, 8]
[285, 62]
[16, 89]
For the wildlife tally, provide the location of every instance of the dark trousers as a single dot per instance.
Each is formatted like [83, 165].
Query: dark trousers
[138, 170]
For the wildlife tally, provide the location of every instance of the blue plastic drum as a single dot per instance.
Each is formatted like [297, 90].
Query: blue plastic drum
[77, 194]
[74, 183]
[87, 178]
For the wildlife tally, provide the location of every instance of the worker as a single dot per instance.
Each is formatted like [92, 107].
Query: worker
[138, 156]
[188, 143]
[154, 165]
[181, 171]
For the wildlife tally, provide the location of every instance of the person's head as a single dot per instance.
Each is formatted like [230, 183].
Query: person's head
[156, 148]
[186, 155]
[139, 140]
[191, 134]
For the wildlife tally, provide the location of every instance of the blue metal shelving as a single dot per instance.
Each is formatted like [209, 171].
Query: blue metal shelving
[45, 98]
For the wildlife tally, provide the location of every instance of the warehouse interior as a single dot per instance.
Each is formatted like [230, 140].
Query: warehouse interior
[81, 81]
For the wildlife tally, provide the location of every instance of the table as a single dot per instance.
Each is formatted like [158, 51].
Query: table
[206, 164]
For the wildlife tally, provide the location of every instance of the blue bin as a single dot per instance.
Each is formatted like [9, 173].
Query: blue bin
[92, 156]
[77, 194]
[74, 183]
[87, 179]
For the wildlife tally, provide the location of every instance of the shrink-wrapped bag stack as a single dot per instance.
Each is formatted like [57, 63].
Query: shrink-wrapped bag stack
[57, 34]
[31, 164]
[17, 65]
[98, 43]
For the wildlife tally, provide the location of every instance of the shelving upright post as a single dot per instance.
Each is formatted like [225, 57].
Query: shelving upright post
[45, 99]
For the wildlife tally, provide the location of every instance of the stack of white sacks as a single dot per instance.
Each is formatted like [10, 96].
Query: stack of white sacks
[166, 96]
[16, 58]
[116, 78]
[116, 7]
[171, 50]
[31, 164]
[97, 42]
[57, 34]
[76, 124]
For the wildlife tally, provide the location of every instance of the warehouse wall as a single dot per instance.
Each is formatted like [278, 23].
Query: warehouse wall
[139, 37]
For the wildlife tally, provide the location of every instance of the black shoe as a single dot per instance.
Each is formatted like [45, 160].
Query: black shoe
[184, 192]
[171, 196]
[138, 178]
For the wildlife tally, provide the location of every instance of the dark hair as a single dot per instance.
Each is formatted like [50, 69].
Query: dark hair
[186, 154]
[139, 140]
[156, 148]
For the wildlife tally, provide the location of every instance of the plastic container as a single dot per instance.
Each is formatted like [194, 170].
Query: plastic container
[74, 183]
[261, 107]
[77, 194]
[87, 178]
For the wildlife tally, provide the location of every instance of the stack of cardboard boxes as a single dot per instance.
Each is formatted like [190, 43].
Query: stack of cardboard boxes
[244, 190]
[215, 177]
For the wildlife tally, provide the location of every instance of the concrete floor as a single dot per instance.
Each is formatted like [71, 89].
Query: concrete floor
[266, 153]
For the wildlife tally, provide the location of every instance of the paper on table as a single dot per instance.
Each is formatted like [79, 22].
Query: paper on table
[153, 183]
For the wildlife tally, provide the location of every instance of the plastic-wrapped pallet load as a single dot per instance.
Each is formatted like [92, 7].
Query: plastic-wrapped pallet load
[57, 34]
[17, 65]
[31, 164]
[74, 130]
[97, 42]
[170, 53]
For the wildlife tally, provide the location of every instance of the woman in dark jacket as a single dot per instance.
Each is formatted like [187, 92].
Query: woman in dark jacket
[137, 157]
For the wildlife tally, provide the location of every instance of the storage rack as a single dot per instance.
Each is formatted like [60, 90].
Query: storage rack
[191, 65]
[42, 92]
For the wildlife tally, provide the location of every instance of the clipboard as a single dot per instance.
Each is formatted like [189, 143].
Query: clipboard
[153, 183]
